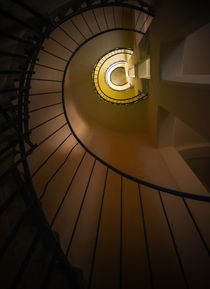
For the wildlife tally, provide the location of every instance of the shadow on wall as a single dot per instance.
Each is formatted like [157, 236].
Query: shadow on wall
[188, 60]
[187, 143]
[198, 159]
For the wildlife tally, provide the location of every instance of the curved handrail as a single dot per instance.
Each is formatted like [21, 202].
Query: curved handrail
[24, 132]
[137, 180]
[105, 4]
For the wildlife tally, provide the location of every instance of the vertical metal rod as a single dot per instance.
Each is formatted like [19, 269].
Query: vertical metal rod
[55, 173]
[45, 139]
[56, 41]
[196, 226]
[174, 244]
[137, 19]
[78, 29]
[46, 121]
[48, 67]
[80, 210]
[146, 240]
[130, 16]
[96, 20]
[43, 93]
[44, 107]
[64, 31]
[25, 94]
[42, 79]
[121, 232]
[52, 54]
[67, 191]
[113, 11]
[122, 14]
[87, 24]
[105, 18]
[97, 234]
[47, 159]
[144, 23]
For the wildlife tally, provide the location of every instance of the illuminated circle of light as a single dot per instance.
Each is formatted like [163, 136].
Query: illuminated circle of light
[111, 69]
[109, 91]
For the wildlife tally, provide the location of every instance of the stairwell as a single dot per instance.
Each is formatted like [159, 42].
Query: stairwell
[104, 195]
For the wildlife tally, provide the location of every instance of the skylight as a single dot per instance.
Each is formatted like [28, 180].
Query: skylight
[112, 78]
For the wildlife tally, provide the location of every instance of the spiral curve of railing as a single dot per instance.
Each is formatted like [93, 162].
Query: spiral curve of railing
[17, 117]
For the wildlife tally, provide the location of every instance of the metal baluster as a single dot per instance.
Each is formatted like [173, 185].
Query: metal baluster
[121, 233]
[78, 29]
[43, 93]
[49, 136]
[66, 193]
[146, 240]
[96, 20]
[80, 209]
[174, 244]
[122, 14]
[105, 18]
[52, 54]
[55, 173]
[97, 234]
[196, 226]
[42, 79]
[144, 22]
[47, 159]
[137, 19]
[46, 121]
[87, 24]
[113, 11]
[58, 42]
[48, 67]
[44, 107]
[64, 31]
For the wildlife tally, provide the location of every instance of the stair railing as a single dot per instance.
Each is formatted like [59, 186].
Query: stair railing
[17, 119]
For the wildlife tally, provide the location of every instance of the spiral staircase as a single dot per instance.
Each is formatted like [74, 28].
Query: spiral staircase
[73, 213]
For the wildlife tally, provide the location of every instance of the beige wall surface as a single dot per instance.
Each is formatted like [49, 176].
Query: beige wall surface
[131, 139]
